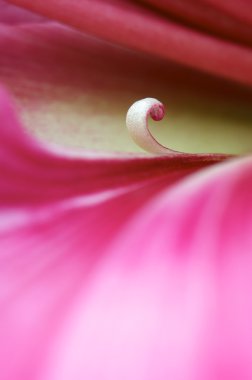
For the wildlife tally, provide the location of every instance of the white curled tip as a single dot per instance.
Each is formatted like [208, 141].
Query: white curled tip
[137, 124]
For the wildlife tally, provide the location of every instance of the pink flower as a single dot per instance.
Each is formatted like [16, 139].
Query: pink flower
[148, 31]
[118, 265]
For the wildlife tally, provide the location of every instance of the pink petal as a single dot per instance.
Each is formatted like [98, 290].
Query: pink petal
[129, 287]
[49, 247]
[12, 15]
[241, 10]
[212, 17]
[143, 30]
[44, 266]
[75, 90]
[147, 288]
[172, 298]
[34, 174]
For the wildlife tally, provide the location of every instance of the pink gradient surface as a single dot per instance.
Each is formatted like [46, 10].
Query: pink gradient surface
[129, 24]
[115, 266]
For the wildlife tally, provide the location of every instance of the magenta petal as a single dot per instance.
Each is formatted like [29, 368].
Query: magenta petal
[136, 27]
[210, 16]
[34, 174]
[129, 286]
[172, 299]
[72, 89]
[43, 268]
[240, 10]
[12, 15]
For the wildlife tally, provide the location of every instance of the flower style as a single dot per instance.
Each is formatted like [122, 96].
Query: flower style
[117, 265]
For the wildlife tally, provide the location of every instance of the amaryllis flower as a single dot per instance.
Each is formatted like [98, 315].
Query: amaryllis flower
[119, 265]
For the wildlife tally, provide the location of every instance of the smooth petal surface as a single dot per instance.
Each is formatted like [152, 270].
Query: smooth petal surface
[74, 90]
[213, 17]
[136, 27]
[96, 264]
[172, 299]
[34, 174]
[57, 220]
[12, 15]
[241, 11]
[45, 264]
[110, 280]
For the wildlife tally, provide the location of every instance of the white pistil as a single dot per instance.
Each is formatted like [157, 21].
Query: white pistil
[137, 124]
